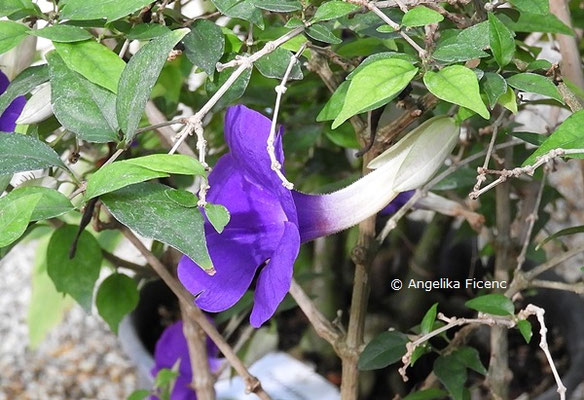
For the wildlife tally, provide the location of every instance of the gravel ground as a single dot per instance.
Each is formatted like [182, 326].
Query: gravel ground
[80, 359]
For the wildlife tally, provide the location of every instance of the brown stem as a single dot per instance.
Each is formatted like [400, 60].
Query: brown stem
[498, 373]
[252, 384]
[203, 379]
[362, 255]
[323, 327]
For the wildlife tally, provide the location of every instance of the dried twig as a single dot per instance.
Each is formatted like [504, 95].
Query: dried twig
[203, 380]
[539, 313]
[280, 90]
[242, 63]
[323, 327]
[504, 174]
[450, 323]
[372, 6]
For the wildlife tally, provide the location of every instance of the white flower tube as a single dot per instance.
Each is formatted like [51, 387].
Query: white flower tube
[405, 166]
[38, 107]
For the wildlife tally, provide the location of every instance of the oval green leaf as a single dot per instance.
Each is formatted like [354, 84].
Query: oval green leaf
[25, 153]
[420, 16]
[128, 172]
[494, 303]
[138, 79]
[375, 85]
[117, 296]
[146, 208]
[459, 85]
[94, 61]
[74, 276]
[84, 108]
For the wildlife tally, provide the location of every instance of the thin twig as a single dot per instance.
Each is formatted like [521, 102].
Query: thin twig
[202, 379]
[504, 174]
[243, 63]
[531, 219]
[539, 313]
[323, 327]
[280, 90]
[373, 7]
[450, 323]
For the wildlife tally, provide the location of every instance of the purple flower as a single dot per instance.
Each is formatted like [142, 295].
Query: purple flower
[10, 115]
[268, 222]
[171, 347]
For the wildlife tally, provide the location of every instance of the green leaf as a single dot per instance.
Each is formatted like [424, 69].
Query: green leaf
[148, 31]
[501, 41]
[467, 45]
[161, 219]
[470, 358]
[218, 216]
[8, 7]
[343, 136]
[334, 105]
[534, 83]
[385, 349]
[528, 22]
[322, 33]
[535, 139]
[94, 61]
[375, 85]
[524, 327]
[127, 172]
[333, 10]
[494, 303]
[74, 276]
[275, 64]
[459, 85]
[284, 6]
[243, 9]
[452, 374]
[47, 306]
[183, 198]
[165, 377]
[111, 10]
[204, 45]
[494, 86]
[84, 108]
[428, 394]
[52, 203]
[138, 79]
[140, 394]
[569, 135]
[428, 321]
[509, 100]
[540, 7]
[420, 16]
[564, 232]
[27, 80]
[11, 33]
[381, 56]
[15, 215]
[24, 153]
[117, 296]
[62, 33]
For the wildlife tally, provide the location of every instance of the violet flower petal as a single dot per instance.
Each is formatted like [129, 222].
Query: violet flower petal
[275, 278]
[10, 115]
[397, 203]
[172, 346]
[246, 134]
